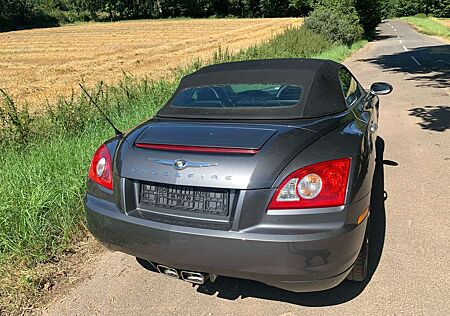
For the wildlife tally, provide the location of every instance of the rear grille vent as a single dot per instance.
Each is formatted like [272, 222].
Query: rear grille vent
[185, 198]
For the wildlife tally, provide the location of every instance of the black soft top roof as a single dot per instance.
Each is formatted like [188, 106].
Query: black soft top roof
[321, 90]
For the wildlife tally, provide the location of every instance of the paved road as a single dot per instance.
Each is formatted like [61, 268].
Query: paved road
[410, 270]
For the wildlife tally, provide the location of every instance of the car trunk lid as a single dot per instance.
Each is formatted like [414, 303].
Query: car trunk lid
[204, 138]
[257, 153]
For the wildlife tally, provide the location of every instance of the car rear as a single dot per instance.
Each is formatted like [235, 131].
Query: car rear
[255, 169]
[215, 205]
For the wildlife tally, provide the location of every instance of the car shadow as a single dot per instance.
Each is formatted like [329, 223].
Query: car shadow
[428, 65]
[434, 118]
[232, 288]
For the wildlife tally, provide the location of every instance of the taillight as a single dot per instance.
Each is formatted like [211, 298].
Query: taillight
[101, 168]
[323, 184]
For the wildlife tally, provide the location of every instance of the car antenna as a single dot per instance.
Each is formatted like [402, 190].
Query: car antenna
[92, 101]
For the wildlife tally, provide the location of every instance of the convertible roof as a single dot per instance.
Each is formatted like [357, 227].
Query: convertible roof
[318, 79]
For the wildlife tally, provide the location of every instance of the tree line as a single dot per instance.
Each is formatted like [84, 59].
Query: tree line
[436, 8]
[34, 13]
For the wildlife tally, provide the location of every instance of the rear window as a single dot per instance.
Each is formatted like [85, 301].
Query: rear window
[238, 96]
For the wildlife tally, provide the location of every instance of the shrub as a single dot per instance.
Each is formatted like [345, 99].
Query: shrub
[421, 15]
[335, 24]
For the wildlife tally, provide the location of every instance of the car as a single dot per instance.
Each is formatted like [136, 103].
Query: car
[258, 170]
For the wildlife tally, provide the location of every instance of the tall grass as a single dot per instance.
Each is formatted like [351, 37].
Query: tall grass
[428, 26]
[44, 157]
[42, 173]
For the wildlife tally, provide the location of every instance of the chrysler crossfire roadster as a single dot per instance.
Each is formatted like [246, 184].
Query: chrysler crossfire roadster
[258, 170]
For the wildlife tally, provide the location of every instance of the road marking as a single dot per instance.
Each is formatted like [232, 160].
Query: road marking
[395, 30]
[398, 36]
[416, 61]
[401, 42]
[405, 48]
[392, 26]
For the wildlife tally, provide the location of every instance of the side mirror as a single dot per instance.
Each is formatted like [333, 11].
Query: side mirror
[380, 88]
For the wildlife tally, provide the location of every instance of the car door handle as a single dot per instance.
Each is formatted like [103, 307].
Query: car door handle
[373, 127]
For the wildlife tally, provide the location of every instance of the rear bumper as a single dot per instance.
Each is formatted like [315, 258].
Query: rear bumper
[300, 263]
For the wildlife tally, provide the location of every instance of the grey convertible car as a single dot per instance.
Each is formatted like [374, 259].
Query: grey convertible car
[259, 170]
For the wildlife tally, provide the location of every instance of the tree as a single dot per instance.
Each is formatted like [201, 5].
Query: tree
[300, 7]
[273, 8]
[441, 9]
[370, 13]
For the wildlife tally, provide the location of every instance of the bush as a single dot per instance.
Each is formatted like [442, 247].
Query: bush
[421, 15]
[336, 25]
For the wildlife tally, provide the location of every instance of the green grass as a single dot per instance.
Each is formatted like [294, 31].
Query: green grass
[42, 172]
[44, 158]
[341, 52]
[428, 26]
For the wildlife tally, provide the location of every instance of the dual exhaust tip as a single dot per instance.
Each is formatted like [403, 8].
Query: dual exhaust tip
[189, 276]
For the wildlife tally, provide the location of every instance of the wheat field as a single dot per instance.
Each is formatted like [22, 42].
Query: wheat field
[37, 66]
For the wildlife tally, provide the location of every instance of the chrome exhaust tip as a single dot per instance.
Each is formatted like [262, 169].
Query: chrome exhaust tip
[170, 272]
[193, 277]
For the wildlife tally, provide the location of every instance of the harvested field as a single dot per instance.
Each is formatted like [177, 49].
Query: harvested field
[41, 64]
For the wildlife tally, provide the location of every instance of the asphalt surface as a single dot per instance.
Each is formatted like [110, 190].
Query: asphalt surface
[409, 260]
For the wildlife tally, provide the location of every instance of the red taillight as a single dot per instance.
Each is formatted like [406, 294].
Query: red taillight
[101, 168]
[323, 184]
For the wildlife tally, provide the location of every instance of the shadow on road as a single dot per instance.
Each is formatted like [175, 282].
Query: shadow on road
[232, 289]
[379, 36]
[435, 118]
[433, 69]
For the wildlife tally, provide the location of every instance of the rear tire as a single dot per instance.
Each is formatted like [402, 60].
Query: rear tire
[359, 271]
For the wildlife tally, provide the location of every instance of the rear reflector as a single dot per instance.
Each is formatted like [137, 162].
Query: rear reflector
[363, 216]
[199, 149]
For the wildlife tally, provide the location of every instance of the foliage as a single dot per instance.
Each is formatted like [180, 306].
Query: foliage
[370, 13]
[441, 9]
[338, 23]
[301, 7]
[23, 13]
[437, 8]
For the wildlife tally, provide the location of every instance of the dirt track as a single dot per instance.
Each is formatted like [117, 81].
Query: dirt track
[44, 63]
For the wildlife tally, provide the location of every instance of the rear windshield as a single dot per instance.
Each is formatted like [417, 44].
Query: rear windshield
[238, 96]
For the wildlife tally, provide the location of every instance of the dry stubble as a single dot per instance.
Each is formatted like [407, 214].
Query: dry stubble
[41, 64]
